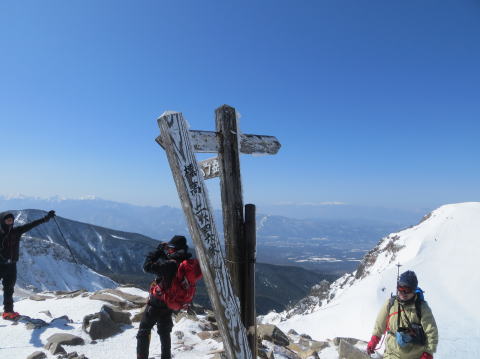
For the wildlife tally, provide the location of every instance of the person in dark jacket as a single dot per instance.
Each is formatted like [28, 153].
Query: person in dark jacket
[9, 251]
[163, 262]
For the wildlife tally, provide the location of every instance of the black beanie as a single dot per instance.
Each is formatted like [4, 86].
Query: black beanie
[408, 279]
[178, 242]
[8, 215]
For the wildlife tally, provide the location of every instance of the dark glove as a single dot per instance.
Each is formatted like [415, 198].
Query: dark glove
[178, 255]
[167, 268]
[49, 215]
[372, 344]
[426, 355]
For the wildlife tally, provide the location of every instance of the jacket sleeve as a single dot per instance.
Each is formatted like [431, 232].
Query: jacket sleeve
[31, 225]
[157, 263]
[381, 322]
[430, 327]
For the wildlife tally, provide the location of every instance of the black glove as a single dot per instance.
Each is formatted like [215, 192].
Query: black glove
[50, 215]
[179, 255]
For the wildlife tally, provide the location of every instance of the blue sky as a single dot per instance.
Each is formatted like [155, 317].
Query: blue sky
[374, 102]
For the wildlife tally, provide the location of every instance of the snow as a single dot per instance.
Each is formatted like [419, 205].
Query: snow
[444, 251]
[18, 342]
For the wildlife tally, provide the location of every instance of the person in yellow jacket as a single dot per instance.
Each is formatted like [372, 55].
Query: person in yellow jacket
[408, 323]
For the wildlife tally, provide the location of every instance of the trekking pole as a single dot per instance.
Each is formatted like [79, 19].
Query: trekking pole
[65, 240]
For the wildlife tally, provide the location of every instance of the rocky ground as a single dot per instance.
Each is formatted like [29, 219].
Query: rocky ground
[103, 324]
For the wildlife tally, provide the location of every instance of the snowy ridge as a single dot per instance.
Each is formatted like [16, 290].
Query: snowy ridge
[44, 265]
[443, 250]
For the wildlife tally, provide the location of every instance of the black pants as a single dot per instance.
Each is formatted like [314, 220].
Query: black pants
[8, 275]
[162, 317]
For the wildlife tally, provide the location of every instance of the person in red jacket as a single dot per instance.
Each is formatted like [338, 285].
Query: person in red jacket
[167, 262]
[9, 252]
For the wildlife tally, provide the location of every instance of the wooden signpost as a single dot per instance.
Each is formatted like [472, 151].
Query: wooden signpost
[225, 287]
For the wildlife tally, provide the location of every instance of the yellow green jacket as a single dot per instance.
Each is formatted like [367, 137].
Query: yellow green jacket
[387, 322]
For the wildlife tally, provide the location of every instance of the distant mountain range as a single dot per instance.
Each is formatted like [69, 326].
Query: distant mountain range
[329, 243]
[74, 255]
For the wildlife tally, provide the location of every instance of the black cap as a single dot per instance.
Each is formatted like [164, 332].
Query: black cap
[178, 242]
[408, 279]
[8, 215]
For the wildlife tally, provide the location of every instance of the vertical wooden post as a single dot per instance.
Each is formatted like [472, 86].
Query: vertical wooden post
[193, 197]
[250, 313]
[231, 191]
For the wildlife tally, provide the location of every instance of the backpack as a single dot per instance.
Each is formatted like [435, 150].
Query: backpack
[182, 289]
[418, 302]
[419, 336]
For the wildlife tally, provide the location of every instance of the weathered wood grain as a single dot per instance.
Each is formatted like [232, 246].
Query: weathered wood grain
[231, 192]
[193, 195]
[210, 168]
[206, 141]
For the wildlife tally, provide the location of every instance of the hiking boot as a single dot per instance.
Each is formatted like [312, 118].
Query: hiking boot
[10, 315]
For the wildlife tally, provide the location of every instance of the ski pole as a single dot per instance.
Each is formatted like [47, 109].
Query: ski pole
[65, 240]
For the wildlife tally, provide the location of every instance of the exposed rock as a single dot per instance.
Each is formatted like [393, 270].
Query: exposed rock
[197, 309]
[318, 293]
[351, 341]
[100, 326]
[179, 334]
[218, 354]
[211, 317]
[292, 332]
[32, 323]
[207, 326]
[137, 317]
[204, 335]
[184, 314]
[135, 299]
[318, 346]
[72, 355]
[38, 298]
[71, 294]
[309, 354]
[112, 300]
[286, 352]
[62, 338]
[117, 315]
[348, 351]
[56, 348]
[272, 334]
[37, 355]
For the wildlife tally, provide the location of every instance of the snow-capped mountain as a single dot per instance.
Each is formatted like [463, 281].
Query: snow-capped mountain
[65, 254]
[443, 250]
[44, 265]
[105, 255]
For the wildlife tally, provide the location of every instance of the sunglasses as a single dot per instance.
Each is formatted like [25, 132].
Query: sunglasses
[404, 290]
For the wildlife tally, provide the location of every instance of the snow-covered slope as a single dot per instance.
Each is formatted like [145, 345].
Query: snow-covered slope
[106, 251]
[17, 341]
[444, 251]
[44, 265]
